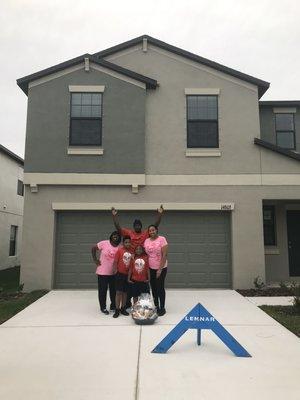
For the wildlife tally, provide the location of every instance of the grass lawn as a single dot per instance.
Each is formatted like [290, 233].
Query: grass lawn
[287, 316]
[12, 300]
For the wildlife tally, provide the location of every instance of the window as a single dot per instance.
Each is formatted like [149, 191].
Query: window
[20, 188]
[285, 130]
[13, 240]
[202, 121]
[269, 225]
[86, 119]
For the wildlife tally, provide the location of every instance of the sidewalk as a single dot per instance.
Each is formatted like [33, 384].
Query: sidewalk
[61, 348]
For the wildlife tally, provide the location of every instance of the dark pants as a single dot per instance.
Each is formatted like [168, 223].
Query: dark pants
[129, 296]
[105, 282]
[158, 287]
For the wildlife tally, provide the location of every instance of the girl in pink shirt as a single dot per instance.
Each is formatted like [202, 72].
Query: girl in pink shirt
[157, 248]
[105, 269]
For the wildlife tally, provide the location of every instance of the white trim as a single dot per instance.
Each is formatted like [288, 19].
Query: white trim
[280, 179]
[87, 88]
[200, 91]
[34, 188]
[95, 151]
[83, 179]
[284, 110]
[203, 153]
[31, 178]
[86, 64]
[55, 75]
[145, 45]
[203, 180]
[143, 206]
[272, 251]
[135, 189]
[117, 75]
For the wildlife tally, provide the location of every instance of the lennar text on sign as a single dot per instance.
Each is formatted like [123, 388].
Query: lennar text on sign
[200, 319]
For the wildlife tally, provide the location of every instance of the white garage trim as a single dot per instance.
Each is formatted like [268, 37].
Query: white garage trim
[144, 206]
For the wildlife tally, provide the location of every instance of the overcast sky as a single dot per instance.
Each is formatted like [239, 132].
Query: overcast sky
[258, 37]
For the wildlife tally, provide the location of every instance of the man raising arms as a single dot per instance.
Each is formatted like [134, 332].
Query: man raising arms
[137, 235]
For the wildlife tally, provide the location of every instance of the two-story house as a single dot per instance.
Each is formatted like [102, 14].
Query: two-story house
[11, 208]
[145, 123]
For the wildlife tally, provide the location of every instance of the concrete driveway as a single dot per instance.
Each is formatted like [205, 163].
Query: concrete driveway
[62, 348]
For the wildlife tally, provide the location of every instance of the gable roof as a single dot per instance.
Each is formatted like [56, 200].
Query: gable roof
[11, 155]
[277, 149]
[24, 82]
[262, 85]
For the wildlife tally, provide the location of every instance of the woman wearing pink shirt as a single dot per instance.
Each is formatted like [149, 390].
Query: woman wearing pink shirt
[157, 248]
[105, 269]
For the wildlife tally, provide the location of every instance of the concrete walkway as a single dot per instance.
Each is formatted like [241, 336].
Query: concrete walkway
[62, 348]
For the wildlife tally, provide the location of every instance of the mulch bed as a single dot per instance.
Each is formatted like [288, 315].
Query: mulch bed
[266, 292]
[6, 296]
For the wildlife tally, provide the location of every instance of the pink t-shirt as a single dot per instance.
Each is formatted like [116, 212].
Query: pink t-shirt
[107, 258]
[153, 249]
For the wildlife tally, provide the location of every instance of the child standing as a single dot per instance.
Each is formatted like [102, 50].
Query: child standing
[139, 275]
[122, 264]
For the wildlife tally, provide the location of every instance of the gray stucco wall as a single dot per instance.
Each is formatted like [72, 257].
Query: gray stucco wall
[123, 127]
[39, 224]
[267, 124]
[166, 115]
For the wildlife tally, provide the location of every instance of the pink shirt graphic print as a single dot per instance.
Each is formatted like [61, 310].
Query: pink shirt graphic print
[153, 249]
[107, 257]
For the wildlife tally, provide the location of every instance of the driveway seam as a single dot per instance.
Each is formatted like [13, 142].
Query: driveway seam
[117, 326]
[138, 367]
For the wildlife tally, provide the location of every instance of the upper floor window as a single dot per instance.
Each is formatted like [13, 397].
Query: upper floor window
[86, 119]
[269, 225]
[285, 130]
[202, 121]
[20, 188]
[13, 240]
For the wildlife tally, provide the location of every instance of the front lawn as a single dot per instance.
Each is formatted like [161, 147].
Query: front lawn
[11, 304]
[288, 316]
[12, 299]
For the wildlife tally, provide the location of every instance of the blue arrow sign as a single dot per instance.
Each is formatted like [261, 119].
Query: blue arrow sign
[199, 318]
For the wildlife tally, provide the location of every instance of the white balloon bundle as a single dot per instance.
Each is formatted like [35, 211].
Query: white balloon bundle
[144, 311]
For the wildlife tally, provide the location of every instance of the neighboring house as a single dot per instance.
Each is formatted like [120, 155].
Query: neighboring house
[11, 208]
[145, 123]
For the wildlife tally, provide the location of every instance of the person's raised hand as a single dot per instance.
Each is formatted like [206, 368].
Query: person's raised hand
[114, 211]
[160, 209]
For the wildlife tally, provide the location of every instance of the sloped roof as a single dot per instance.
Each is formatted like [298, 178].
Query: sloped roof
[277, 149]
[262, 85]
[24, 82]
[280, 103]
[11, 155]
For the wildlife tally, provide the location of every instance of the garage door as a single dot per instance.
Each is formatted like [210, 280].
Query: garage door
[199, 246]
